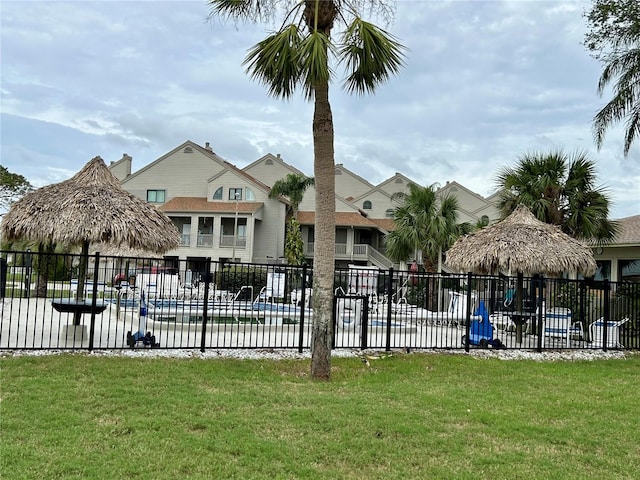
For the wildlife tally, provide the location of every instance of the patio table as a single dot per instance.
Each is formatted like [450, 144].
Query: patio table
[520, 318]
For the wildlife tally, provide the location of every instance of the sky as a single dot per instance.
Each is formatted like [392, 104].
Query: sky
[485, 83]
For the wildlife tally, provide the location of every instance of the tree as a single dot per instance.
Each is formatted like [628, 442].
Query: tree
[300, 55]
[614, 39]
[559, 189]
[424, 222]
[292, 186]
[12, 187]
[293, 244]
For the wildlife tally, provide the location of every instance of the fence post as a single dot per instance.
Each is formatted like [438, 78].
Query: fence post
[94, 294]
[539, 302]
[302, 308]
[364, 340]
[3, 278]
[467, 328]
[205, 305]
[389, 300]
[583, 307]
[27, 273]
[607, 314]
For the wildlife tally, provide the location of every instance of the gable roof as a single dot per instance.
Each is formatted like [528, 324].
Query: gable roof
[369, 193]
[385, 224]
[343, 219]
[355, 184]
[342, 168]
[398, 175]
[188, 143]
[276, 158]
[207, 152]
[629, 231]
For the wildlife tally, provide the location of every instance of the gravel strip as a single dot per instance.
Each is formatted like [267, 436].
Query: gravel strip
[280, 354]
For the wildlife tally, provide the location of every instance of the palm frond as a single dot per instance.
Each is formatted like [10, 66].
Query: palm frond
[292, 186]
[632, 127]
[235, 9]
[624, 68]
[371, 54]
[314, 61]
[275, 62]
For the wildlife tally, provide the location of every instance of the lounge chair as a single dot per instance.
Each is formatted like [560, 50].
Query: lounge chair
[558, 323]
[596, 330]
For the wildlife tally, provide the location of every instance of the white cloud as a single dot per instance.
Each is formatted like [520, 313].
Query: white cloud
[484, 83]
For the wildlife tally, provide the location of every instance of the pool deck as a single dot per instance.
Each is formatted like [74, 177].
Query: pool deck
[53, 330]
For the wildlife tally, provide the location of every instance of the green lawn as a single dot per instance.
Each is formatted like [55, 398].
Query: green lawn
[411, 416]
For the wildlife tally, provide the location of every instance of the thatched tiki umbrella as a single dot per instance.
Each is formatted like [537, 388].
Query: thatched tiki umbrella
[90, 207]
[521, 244]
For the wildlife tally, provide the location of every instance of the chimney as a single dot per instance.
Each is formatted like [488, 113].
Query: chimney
[208, 147]
[126, 159]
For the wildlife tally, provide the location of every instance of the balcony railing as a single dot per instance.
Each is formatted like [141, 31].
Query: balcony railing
[227, 241]
[358, 252]
[205, 240]
[185, 240]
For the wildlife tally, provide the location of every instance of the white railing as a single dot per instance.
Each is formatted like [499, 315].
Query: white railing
[359, 251]
[205, 240]
[185, 240]
[228, 241]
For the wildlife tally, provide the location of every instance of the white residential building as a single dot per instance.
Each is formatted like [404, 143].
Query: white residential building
[206, 196]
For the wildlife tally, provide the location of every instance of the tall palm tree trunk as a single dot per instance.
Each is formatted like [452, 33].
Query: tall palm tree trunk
[324, 247]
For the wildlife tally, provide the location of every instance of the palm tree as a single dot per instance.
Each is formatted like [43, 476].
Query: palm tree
[424, 222]
[625, 68]
[299, 55]
[292, 186]
[613, 37]
[559, 189]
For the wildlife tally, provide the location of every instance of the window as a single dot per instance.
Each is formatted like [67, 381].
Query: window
[249, 195]
[629, 270]
[389, 213]
[366, 205]
[218, 194]
[155, 196]
[268, 162]
[188, 150]
[603, 270]
[235, 194]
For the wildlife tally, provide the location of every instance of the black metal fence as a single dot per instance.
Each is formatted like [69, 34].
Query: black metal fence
[127, 302]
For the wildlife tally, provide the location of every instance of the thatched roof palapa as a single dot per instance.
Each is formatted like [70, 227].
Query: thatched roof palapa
[90, 207]
[521, 244]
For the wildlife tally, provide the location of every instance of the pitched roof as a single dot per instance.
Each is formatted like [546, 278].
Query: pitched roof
[342, 219]
[277, 158]
[386, 224]
[208, 153]
[201, 204]
[629, 231]
[393, 179]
